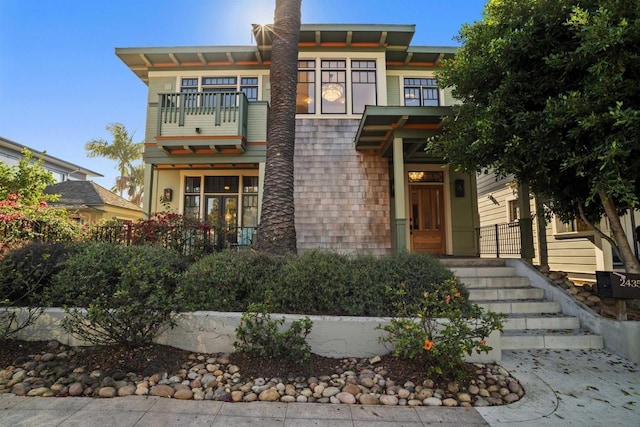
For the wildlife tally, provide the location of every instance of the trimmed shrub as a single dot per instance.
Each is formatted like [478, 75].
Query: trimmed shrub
[25, 274]
[124, 295]
[229, 280]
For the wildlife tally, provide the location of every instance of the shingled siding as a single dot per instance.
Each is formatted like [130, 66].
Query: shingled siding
[342, 195]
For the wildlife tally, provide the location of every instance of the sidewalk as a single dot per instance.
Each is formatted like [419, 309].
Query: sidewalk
[576, 387]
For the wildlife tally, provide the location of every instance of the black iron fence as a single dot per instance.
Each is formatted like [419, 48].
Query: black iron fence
[499, 239]
[188, 239]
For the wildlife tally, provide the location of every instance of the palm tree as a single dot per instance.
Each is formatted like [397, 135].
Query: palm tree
[277, 231]
[132, 182]
[122, 149]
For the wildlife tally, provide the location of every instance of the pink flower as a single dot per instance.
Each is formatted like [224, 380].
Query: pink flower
[13, 197]
[44, 204]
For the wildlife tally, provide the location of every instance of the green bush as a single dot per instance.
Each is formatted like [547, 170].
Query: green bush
[229, 280]
[118, 294]
[259, 334]
[440, 327]
[27, 271]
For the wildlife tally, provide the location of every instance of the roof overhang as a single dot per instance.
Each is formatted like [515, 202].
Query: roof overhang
[380, 125]
[392, 39]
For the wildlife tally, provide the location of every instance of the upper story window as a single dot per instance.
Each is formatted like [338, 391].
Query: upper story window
[333, 89]
[224, 85]
[363, 85]
[421, 92]
[249, 85]
[306, 91]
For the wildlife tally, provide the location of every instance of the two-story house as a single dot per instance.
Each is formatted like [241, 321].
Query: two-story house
[366, 103]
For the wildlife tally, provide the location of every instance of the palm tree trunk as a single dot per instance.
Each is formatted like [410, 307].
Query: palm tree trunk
[277, 232]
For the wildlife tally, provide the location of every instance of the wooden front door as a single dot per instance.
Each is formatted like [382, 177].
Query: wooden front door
[427, 219]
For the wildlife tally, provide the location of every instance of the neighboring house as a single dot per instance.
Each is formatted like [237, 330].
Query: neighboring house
[11, 153]
[89, 203]
[570, 247]
[367, 101]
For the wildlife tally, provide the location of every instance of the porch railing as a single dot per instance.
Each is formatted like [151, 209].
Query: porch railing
[225, 107]
[499, 239]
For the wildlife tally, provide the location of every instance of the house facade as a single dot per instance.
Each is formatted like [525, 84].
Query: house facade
[366, 103]
[571, 247]
[11, 153]
[89, 203]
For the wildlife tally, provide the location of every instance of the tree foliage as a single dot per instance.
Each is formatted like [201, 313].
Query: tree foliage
[28, 178]
[125, 152]
[549, 92]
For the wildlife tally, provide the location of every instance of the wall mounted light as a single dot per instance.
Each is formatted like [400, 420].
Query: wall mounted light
[168, 194]
[198, 130]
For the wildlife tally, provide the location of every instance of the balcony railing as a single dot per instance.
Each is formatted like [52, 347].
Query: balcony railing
[201, 112]
[499, 239]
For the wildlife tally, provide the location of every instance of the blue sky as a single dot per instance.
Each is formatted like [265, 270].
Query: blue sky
[61, 82]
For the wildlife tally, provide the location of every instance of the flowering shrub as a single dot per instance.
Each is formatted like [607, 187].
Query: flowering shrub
[440, 328]
[21, 221]
[173, 231]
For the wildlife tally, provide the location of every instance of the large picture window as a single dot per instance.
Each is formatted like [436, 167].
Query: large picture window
[363, 85]
[333, 89]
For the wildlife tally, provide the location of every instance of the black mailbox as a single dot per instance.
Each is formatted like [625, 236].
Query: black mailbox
[618, 285]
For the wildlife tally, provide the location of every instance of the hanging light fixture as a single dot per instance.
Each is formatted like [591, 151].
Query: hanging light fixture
[332, 92]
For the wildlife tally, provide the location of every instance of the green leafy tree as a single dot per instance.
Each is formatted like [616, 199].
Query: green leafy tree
[277, 232]
[549, 92]
[28, 179]
[122, 149]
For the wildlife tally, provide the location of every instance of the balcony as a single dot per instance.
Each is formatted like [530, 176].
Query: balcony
[203, 122]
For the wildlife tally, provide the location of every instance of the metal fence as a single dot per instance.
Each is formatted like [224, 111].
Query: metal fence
[499, 239]
[188, 239]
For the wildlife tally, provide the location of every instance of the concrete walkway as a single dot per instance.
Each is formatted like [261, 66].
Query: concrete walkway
[563, 387]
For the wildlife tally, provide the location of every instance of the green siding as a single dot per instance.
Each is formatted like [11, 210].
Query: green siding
[448, 97]
[266, 88]
[393, 90]
[464, 215]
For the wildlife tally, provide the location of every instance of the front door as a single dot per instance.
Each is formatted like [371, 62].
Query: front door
[427, 219]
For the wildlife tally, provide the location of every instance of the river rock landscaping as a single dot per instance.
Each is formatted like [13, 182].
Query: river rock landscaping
[50, 369]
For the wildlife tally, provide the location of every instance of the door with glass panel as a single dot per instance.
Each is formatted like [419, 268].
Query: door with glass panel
[222, 213]
[427, 219]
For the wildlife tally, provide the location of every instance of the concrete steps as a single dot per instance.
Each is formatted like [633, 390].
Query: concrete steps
[532, 322]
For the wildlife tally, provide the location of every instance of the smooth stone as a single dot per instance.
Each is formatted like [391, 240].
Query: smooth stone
[366, 382]
[432, 401]
[127, 390]
[237, 396]
[107, 392]
[511, 397]
[424, 393]
[388, 400]
[464, 397]
[288, 398]
[345, 397]
[403, 393]
[414, 402]
[250, 397]
[351, 389]
[141, 391]
[183, 394]
[301, 399]
[162, 390]
[368, 399]
[269, 395]
[330, 391]
[76, 389]
[38, 391]
[450, 402]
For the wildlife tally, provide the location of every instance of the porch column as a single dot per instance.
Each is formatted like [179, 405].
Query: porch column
[400, 205]
[147, 200]
[526, 223]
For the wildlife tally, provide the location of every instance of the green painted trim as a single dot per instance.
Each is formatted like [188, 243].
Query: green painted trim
[401, 244]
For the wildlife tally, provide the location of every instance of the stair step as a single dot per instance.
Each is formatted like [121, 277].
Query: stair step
[521, 307]
[495, 282]
[543, 339]
[506, 294]
[472, 262]
[462, 272]
[516, 322]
